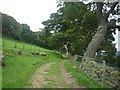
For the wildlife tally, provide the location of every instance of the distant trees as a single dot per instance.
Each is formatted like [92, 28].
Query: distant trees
[57, 41]
[10, 27]
[13, 29]
[41, 39]
[26, 34]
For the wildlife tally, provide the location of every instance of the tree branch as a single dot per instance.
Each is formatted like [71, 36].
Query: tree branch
[99, 11]
[111, 10]
[118, 28]
[113, 26]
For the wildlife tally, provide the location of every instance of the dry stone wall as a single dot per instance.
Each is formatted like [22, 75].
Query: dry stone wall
[102, 73]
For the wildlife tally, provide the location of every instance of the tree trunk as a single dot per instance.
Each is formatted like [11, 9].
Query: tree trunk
[94, 44]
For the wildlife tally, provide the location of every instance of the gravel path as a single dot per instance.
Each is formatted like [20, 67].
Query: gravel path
[53, 75]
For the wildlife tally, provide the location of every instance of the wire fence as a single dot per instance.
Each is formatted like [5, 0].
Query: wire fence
[14, 44]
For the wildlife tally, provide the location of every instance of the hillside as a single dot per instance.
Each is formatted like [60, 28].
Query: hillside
[19, 69]
[75, 48]
[11, 28]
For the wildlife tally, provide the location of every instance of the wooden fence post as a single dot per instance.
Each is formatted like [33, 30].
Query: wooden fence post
[3, 42]
[23, 45]
[15, 44]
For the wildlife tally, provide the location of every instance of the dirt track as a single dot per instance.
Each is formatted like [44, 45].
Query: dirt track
[52, 75]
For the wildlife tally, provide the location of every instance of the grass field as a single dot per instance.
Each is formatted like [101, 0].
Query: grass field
[10, 44]
[19, 68]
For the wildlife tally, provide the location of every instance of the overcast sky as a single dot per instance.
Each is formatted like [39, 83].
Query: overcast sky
[31, 12]
[118, 44]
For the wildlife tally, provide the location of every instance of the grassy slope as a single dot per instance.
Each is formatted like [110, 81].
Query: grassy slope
[19, 68]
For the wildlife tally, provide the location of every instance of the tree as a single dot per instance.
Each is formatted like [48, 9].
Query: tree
[72, 25]
[26, 34]
[41, 39]
[57, 41]
[10, 27]
[79, 28]
[13, 29]
[103, 26]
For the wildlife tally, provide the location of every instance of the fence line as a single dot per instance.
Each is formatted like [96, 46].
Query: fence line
[19, 45]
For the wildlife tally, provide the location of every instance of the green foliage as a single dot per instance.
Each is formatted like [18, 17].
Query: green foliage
[26, 34]
[57, 41]
[41, 39]
[70, 27]
[21, 32]
[10, 27]
[77, 25]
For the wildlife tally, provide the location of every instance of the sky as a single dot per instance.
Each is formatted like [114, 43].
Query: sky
[117, 40]
[31, 12]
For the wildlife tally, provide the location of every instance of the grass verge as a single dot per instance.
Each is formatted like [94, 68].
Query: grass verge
[82, 78]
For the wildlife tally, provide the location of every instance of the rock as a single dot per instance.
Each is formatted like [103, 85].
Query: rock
[43, 54]
[70, 76]
[18, 52]
[1, 59]
[74, 66]
[33, 53]
[37, 53]
[110, 69]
